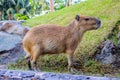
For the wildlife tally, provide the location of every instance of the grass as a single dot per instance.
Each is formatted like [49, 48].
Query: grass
[106, 10]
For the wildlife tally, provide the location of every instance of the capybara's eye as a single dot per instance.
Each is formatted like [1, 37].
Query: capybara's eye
[86, 19]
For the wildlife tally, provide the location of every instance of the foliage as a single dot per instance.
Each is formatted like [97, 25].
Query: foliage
[30, 8]
[37, 6]
[59, 4]
[19, 16]
[9, 7]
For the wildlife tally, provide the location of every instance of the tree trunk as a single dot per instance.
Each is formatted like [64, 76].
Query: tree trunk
[51, 5]
[69, 2]
[0, 15]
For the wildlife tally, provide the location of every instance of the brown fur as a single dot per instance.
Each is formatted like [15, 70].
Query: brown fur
[54, 39]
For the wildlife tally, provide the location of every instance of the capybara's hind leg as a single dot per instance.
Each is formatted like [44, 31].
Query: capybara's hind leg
[36, 53]
[29, 63]
[28, 58]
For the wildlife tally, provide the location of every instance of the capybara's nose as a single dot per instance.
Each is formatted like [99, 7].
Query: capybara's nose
[99, 22]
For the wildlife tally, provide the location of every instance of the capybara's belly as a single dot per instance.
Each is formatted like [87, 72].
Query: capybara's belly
[53, 46]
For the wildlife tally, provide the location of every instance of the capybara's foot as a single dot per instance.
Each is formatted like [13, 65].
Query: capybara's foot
[72, 69]
[37, 70]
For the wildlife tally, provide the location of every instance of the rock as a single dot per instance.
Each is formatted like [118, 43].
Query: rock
[106, 56]
[31, 75]
[2, 72]
[13, 27]
[108, 53]
[116, 52]
[26, 75]
[8, 41]
[3, 67]
[12, 55]
[11, 35]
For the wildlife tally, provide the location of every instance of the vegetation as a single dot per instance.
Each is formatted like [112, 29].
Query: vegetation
[29, 8]
[10, 7]
[106, 10]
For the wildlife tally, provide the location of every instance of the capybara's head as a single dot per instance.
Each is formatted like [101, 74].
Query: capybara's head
[87, 23]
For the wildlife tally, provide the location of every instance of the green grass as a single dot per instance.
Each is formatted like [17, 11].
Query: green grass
[108, 11]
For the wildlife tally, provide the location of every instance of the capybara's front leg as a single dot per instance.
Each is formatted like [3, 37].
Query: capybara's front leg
[71, 61]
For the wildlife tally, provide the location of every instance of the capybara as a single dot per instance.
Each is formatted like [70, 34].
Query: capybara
[54, 39]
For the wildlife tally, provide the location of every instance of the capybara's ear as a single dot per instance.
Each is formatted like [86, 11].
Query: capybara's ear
[77, 17]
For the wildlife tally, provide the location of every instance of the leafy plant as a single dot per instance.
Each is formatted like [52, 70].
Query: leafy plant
[10, 7]
[19, 16]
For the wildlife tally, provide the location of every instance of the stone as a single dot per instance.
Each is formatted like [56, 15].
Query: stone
[2, 72]
[11, 35]
[17, 78]
[13, 55]
[106, 56]
[36, 77]
[11, 73]
[1, 78]
[116, 52]
[3, 67]
[8, 42]
[31, 75]
[10, 78]
[109, 53]
[26, 75]
[13, 27]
